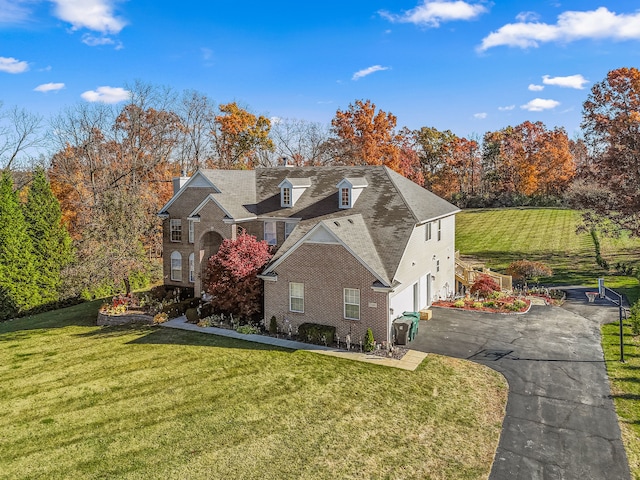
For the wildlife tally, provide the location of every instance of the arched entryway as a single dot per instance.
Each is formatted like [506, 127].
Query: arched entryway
[209, 244]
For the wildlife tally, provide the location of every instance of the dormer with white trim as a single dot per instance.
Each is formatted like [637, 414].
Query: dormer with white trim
[291, 189]
[349, 189]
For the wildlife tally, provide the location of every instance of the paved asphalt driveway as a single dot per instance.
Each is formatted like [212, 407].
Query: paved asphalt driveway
[560, 421]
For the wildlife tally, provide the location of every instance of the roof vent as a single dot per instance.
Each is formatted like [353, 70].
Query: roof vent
[350, 221]
[337, 224]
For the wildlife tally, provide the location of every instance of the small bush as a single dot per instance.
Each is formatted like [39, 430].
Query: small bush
[484, 286]
[459, 304]
[205, 310]
[369, 342]
[314, 332]
[477, 304]
[519, 304]
[490, 304]
[192, 315]
[634, 318]
[159, 292]
[273, 325]
[160, 318]
[247, 329]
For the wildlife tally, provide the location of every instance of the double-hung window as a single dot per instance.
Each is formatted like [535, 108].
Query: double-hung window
[270, 235]
[176, 267]
[352, 303]
[175, 226]
[191, 231]
[439, 230]
[296, 297]
[427, 234]
[288, 228]
[192, 268]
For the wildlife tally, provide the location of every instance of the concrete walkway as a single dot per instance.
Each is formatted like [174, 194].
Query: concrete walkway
[560, 421]
[410, 361]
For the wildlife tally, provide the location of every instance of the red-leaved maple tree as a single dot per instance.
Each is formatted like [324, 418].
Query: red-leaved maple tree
[232, 275]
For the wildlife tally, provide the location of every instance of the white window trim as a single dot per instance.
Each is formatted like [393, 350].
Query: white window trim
[439, 230]
[175, 226]
[274, 240]
[342, 204]
[286, 191]
[191, 231]
[192, 267]
[176, 268]
[345, 303]
[291, 297]
[427, 234]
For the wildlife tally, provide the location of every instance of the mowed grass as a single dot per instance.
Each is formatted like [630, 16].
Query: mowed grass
[625, 388]
[80, 401]
[498, 237]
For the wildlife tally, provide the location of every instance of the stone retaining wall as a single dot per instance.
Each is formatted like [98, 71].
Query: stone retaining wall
[124, 319]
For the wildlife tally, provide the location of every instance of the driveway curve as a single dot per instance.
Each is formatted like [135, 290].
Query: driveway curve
[560, 420]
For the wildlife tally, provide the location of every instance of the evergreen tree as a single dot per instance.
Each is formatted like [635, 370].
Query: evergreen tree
[17, 270]
[50, 239]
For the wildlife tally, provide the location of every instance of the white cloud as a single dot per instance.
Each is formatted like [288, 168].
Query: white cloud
[13, 11]
[572, 81]
[527, 17]
[535, 88]
[49, 87]
[368, 71]
[540, 104]
[11, 65]
[106, 95]
[96, 15]
[507, 108]
[94, 41]
[480, 115]
[432, 13]
[571, 26]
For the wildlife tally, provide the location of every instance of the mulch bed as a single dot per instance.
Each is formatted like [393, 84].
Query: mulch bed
[499, 308]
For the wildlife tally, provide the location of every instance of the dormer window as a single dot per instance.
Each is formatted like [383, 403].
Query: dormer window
[344, 198]
[349, 189]
[291, 189]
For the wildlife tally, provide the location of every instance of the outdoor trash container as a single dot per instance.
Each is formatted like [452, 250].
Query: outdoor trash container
[402, 328]
[415, 321]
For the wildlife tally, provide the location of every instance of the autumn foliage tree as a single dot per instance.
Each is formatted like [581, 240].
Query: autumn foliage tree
[231, 275]
[611, 125]
[364, 136]
[484, 286]
[238, 136]
[528, 270]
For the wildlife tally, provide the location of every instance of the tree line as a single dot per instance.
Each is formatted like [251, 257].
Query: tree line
[109, 168]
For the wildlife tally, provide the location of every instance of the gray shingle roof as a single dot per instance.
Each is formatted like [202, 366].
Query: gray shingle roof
[382, 218]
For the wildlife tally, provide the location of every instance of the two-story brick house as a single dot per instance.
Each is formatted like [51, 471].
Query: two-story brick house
[356, 246]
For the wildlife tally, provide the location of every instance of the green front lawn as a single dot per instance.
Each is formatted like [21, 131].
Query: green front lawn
[625, 387]
[80, 401]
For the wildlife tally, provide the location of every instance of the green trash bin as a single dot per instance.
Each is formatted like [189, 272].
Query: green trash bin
[415, 321]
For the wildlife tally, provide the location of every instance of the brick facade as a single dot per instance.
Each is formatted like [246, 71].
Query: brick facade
[325, 271]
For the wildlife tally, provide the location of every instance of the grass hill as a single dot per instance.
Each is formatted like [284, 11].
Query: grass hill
[498, 237]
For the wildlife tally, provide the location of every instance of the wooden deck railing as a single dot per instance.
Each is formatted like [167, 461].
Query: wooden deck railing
[467, 273]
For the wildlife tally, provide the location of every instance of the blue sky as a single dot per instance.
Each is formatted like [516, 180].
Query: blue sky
[468, 66]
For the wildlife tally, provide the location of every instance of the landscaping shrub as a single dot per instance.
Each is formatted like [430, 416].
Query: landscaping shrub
[459, 304]
[314, 332]
[369, 342]
[247, 329]
[634, 318]
[477, 304]
[192, 315]
[484, 286]
[159, 292]
[490, 304]
[160, 318]
[204, 310]
[176, 309]
[273, 325]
